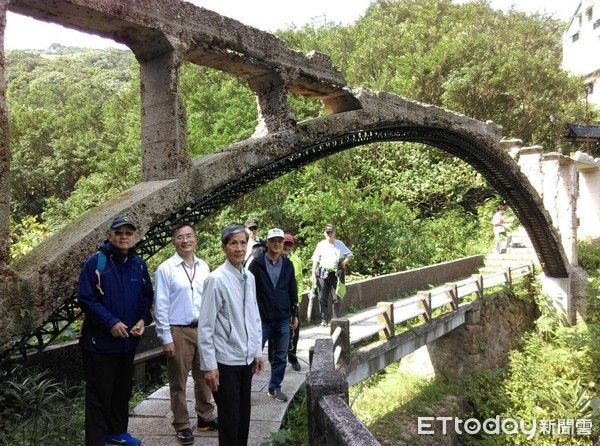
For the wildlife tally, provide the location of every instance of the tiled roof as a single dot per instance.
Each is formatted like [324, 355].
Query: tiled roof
[582, 131]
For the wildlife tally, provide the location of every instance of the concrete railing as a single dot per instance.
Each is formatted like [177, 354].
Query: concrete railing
[330, 419]
[331, 422]
[382, 320]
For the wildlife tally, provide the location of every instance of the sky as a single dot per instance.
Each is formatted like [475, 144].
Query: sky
[268, 15]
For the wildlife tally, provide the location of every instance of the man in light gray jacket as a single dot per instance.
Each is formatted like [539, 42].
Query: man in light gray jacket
[230, 337]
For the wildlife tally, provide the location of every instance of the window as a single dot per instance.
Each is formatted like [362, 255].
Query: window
[597, 24]
[589, 13]
[575, 37]
[579, 19]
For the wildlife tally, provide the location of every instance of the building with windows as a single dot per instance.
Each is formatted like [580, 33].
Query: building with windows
[581, 47]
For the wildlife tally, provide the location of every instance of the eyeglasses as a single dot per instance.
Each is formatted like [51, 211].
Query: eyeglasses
[253, 228]
[183, 237]
[120, 233]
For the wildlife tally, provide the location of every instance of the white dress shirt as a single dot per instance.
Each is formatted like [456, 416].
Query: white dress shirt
[178, 292]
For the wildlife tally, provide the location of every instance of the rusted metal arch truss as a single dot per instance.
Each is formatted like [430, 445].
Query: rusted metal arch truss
[506, 181]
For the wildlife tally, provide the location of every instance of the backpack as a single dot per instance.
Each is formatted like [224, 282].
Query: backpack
[99, 268]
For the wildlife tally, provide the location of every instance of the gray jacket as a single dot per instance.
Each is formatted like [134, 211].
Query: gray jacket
[229, 327]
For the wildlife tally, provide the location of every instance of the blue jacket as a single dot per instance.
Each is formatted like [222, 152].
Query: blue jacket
[275, 303]
[127, 297]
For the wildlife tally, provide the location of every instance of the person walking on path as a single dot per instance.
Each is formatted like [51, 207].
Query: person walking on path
[179, 285]
[288, 247]
[229, 337]
[115, 294]
[330, 258]
[277, 296]
[500, 230]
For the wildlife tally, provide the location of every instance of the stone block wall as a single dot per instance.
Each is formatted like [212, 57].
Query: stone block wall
[486, 338]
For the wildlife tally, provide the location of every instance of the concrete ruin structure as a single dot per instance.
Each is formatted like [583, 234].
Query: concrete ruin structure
[163, 34]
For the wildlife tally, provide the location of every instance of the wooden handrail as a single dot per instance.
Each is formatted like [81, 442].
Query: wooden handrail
[424, 302]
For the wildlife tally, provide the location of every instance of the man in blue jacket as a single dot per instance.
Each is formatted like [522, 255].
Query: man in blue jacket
[277, 297]
[115, 294]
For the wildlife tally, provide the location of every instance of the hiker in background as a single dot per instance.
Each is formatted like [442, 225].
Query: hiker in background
[255, 243]
[229, 337]
[329, 261]
[500, 230]
[277, 297]
[179, 284]
[115, 294]
[288, 247]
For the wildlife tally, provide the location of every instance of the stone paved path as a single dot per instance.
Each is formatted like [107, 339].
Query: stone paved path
[151, 419]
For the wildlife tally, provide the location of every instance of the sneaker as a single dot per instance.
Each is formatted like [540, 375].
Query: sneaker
[185, 436]
[296, 366]
[211, 425]
[323, 324]
[123, 439]
[278, 395]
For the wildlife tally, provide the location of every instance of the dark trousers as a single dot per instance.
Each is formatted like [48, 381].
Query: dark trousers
[108, 387]
[326, 289]
[233, 401]
[294, 336]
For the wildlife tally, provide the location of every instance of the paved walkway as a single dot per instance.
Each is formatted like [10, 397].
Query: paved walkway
[151, 419]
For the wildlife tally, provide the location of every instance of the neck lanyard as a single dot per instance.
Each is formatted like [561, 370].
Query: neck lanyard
[191, 279]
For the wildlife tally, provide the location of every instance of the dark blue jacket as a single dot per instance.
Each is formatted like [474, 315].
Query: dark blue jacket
[275, 303]
[127, 297]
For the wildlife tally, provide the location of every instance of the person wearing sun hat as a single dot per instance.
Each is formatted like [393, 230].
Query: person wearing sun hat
[277, 297]
[115, 294]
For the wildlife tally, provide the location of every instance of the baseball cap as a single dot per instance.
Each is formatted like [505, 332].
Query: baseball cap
[289, 238]
[122, 220]
[329, 228]
[250, 223]
[274, 233]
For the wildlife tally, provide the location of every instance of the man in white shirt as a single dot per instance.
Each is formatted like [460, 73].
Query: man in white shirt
[178, 292]
[329, 261]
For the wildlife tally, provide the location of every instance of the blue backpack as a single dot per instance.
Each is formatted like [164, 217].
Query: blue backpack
[99, 268]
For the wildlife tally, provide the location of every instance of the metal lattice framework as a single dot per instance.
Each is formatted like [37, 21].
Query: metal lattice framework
[507, 182]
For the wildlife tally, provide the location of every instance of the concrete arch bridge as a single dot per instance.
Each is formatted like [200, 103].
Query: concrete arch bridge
[37, 291]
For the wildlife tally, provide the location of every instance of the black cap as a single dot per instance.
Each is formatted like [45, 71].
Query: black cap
[251, 223]
[122, 220]
[329, 228]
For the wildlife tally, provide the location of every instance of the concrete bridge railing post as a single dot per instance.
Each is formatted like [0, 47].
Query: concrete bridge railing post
[343, 340]
[425, 304]
[452, 292]
[387, 319]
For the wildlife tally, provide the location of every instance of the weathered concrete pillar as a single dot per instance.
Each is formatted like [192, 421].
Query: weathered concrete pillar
[4, 151]
[274, 113]
[559, 194]
[588, 205]
[164, 128]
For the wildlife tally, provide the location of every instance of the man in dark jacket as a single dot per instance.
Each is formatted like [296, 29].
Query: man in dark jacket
[115, 294]
[277, 296]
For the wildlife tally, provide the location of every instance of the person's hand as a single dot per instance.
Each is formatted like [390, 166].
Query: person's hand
[119, 330]
[294, 323]
[139, 328]
[169, 350]
[259, 365]
[212, 379]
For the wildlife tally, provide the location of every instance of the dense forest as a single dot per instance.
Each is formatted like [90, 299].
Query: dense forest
[75, 131]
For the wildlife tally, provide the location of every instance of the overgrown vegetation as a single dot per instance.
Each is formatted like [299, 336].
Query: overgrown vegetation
[38, 410]
[550, 378]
